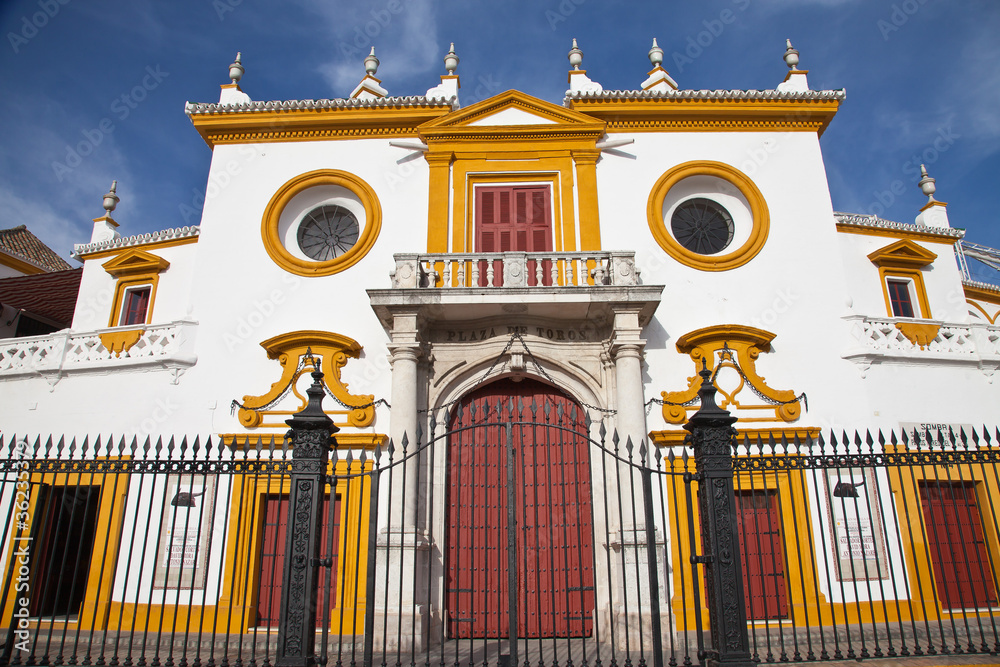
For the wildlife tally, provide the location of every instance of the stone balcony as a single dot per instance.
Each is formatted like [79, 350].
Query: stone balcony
[163, 346]
[550, 285]
[904, 340]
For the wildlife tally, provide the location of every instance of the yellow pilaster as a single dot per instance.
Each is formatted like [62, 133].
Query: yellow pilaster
[586, 183]
[437, 201]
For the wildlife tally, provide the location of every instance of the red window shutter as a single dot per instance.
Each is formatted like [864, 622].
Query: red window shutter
[135, 307]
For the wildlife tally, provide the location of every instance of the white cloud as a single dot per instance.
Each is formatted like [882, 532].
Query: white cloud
[406, 42]
[42, 220]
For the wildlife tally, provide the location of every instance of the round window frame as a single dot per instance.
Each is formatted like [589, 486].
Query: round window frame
[724, 262]
[368, 233]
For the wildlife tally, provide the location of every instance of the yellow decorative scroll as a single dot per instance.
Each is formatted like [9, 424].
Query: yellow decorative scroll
[729, 346]
[333, 350]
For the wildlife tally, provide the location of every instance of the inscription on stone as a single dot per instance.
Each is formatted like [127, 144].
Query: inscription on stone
[485, 333]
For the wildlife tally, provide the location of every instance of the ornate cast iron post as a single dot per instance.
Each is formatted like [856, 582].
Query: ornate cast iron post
[311, 438]
[712, 439]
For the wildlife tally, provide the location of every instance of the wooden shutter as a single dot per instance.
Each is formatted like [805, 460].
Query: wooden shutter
[512, 219]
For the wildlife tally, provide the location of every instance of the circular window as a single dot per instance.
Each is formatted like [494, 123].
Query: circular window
[702, 226]
[321, 222]
[327, 232]
[708, 215]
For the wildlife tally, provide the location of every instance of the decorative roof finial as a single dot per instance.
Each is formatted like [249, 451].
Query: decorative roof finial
[791, 55]
[927, 184]
[656, 54]
[371, 63]
[111, 199]
[451, 60]
[575, 55]
[236, 69]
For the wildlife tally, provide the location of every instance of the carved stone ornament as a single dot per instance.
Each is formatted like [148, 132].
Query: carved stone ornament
[736, 347]
[288, 349]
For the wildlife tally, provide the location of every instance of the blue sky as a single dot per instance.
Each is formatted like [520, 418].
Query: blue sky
[110, 79]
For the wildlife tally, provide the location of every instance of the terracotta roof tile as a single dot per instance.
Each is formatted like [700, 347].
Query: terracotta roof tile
[51, 295]
[19, 241]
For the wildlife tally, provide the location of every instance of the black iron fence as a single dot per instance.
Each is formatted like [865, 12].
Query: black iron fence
[515, 532]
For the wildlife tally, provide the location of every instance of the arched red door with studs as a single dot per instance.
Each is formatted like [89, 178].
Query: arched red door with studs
[541, 432]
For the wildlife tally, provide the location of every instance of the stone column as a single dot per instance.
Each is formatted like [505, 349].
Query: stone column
[403, 547]
[634, 541]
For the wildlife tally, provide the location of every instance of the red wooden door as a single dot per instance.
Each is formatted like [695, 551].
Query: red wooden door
[551, 545]
[763, 557]
[273, 558]
[513, 219]
[956, 544]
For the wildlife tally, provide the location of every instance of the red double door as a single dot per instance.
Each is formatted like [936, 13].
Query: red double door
[533, 465]
[514, 219]
[763, 557]
[963, 570]
[272, 560]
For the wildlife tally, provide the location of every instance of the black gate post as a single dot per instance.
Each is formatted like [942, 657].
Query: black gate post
[311, 438]
[711, 437]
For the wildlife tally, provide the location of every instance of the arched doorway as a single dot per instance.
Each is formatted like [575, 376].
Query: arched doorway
[519, 514]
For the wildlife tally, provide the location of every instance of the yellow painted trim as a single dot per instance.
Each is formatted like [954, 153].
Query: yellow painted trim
[932, 204]
[992, 319]
[344, 440]
[793, 72]
[886, 272]
[241, 571]
[560, 116]
[904, 484]
[314, 124]
[18, 264]
[590, 218]
[120, 341]
[746, 343]
[903, 254]
[915, 235]
[982, 294]
[439, 184]
[674, 114]
[333, 350]
[134, 268]
[165, 243]
[731, 260]
[104, 557]
[366, 239]
[919, 333]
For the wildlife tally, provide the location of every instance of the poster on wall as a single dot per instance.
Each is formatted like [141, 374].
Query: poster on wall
[855, 524]
[185, 532]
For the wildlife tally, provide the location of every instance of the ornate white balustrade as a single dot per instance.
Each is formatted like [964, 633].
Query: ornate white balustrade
[168, 346]
[922, 341]
[515, 269]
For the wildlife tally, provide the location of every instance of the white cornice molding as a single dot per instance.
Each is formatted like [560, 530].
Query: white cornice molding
[875, 222]
[202, 108]
[137, 240]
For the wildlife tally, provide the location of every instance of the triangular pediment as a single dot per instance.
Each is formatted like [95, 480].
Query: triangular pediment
[904, 253]
[512, 108]
[134, 262]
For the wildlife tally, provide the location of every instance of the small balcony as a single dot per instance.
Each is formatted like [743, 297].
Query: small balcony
[165, 346]
[514, 269]
[905, 340]
[548, 285]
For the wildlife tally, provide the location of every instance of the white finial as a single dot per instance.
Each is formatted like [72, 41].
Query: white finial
[656, 54]
[791, 55]
[371, 63]
[575, 55]
[927, 184]
[451, 60]
[111, 199]
[236, 69]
